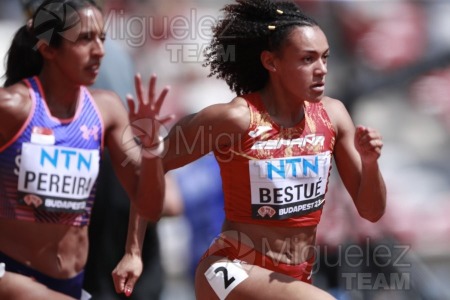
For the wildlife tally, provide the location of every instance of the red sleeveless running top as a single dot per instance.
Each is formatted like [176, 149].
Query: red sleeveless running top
[278, 176]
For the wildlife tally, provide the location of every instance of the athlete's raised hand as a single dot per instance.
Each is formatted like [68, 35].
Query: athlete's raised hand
[144, 114]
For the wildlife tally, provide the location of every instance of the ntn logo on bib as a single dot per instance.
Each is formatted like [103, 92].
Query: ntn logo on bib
[62, 176]
[288, 187]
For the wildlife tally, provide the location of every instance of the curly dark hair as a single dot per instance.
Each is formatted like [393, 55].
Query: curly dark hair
[248, 28]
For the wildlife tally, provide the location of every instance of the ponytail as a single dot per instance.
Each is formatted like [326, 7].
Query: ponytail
[23, 60]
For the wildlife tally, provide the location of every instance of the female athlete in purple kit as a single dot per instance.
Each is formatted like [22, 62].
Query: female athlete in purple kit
[52, 133]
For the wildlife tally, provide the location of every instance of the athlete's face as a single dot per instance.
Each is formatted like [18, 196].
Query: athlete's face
[79, 56]
[301, 63]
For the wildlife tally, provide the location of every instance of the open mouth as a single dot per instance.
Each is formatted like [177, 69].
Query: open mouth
[93, 67]
[320, 86]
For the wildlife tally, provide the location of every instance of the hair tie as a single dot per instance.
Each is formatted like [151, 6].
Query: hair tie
[29, 24]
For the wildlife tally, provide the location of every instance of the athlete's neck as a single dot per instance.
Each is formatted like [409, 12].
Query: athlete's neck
[282, 109]
[61, 96]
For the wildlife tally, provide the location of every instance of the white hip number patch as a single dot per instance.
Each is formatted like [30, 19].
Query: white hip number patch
[224, 276]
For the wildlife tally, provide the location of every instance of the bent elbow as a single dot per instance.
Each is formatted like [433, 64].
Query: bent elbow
[372, 217]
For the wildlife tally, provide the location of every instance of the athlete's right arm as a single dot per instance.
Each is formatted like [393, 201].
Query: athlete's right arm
[15, 106]
[215, 127]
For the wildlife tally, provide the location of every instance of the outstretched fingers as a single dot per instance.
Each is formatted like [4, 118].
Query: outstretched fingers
[151, 89]
[148, 105]
[139, 89]
[158, 104]
[131, 104]
[165, 119]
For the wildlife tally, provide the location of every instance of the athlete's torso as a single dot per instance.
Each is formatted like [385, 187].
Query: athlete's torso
[48, 170]
[278, 176]
[38, 235]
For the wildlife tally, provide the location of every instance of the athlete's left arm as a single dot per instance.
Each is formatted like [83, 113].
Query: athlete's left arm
[356, 154]
[139, 171]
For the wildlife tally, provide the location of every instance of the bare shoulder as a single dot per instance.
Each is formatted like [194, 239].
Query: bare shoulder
[333, 105]
[235, 108]
[240, 113]
[109, 103]
[336, 110]
[14, 97]
[15, 101]
[231, 116]
[15, 106]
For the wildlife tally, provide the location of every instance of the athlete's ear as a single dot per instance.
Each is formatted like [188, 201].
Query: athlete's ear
[47, 52]
[268, 61]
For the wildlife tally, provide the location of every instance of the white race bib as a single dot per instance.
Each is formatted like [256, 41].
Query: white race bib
[57, 178]
[288, 187]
